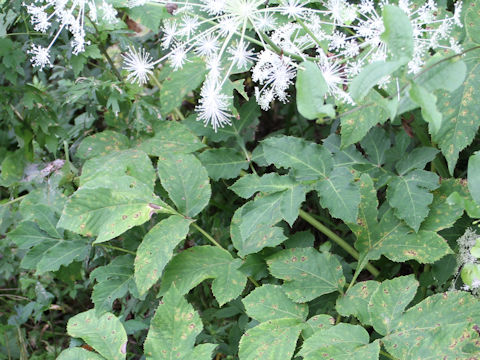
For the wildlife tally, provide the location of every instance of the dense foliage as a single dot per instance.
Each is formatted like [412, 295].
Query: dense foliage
[239, 179]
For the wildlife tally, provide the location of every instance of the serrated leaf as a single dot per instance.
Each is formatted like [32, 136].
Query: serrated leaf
[442, 325]
[28, 234]
[78, 353]
[223, 163]
[398, 34]
[170, 136]
[461, 115]
[101, 144]
[186, 182]
[103, 333]
[317, 323]
[355, 302]
[339, 194]
[249, 184]
[156, 250]
[409, 195]
[307, 160]
[61, 253]
[416, 159]
[179, 83]
[194, 265]
[474, 176]
[340, 342]
[345, 156]
[269, 302]
[113, 282]
[173, 328]
[311, 89]
[307, 273]
[389, 300]
[271, 340]
[45, 216]
[376, 143]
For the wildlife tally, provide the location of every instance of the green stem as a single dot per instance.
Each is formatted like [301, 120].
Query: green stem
[116, 248]
[337, 239]
[14, 200]
[387, 355]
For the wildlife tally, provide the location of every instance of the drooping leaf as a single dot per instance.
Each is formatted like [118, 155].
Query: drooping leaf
[156, 250]
[223, 163]
[409, 195]
[103, 333]
[307, 273]
[311, 89]
[271, 340]
[269, 302]
[186, 182]
[190, 267]
[101, 144]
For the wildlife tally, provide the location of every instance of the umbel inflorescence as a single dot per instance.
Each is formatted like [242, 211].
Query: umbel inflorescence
[268, 38]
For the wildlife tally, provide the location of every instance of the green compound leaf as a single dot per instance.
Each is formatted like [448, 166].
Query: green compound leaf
[170, 136]
[308, 160]
[307, 273]
[173, 328]
[77, 353]
[190, 267]
[223, 163]
[398, 34]
[461, 114]
[186, 182]
[249, 184]
[101, 144]
[179, 83]
[389, 300]
[156, 250]
[340, 342]
[103, 333]
[355, 302]
[271, 340]
[442, 325]
[409, 195]
[474, 176]
[269, 302]
[114, 280]
[339, 194]
[311, 89]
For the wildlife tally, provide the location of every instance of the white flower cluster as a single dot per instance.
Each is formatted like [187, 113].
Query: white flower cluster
[70, 15]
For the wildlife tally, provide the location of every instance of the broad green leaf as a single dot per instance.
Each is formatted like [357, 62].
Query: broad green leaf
[357, 124]
[376, 143]
[101, 144]
[62, 252]
[409, 195]
[389, 300]
[345, 156]
[472, 24]
[186, 182]
[356, 301]
[474, 176]
[149, 15]
[133, 163]
[269, 302]
[103, 333]
[428, 103]
[416, 159]
[307, 273]
[370, 76]
[28, 234]
[271, 340]
[170, 136]
[44, 215]
[223, 163]
[249, 184]
[12, 168]
[173, 328]
[179, 83]
[201, 352]
[340, 342]
[441, 326]
[190, 267]
[317, 323]
[156, 250]
[113, 282]
[78, 353]
[398, 34]
[311, 89]
[339, 194]
[308, 160]
[300, 239]
[461, 114]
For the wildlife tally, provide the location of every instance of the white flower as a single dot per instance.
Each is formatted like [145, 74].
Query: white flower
[241, 55]
[40, 56]
[139, 65]
[213, 107]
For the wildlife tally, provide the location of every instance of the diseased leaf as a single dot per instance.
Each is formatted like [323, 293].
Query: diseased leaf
[317, 323]
[101, 144]
[356, 301]
[156, 250]
[249, 184]
[223, 163]
[186, 182]
[269, 302]
[307, 273]
[190, 267]
[271, 340]
[103, 333]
